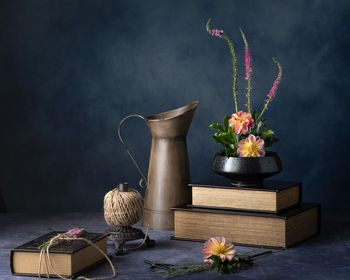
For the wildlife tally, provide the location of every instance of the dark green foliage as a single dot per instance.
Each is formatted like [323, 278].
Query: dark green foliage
[226, 137]
[229, 139]
[266, 134]
[226, 267]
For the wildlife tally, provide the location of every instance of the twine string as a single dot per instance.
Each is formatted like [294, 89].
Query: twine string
[123, 208]
[42, 253]
[46, 252]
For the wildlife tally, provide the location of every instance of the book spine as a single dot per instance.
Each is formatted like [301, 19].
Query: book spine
[11, 262]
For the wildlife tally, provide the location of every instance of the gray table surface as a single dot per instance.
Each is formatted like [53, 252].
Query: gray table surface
[326, 256]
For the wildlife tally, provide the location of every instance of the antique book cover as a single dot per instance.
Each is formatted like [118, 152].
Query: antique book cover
[248, 228]
[273, 197]
[69, 258]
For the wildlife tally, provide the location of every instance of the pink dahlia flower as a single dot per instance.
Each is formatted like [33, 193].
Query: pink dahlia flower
[217, 246]
[251, 147]
[241, 122]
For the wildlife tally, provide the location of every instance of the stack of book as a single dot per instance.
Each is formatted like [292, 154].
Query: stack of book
[271, 216]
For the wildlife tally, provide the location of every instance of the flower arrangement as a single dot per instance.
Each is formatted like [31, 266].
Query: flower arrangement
[244, 134]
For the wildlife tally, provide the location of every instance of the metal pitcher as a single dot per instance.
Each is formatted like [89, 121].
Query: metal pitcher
[168, 172]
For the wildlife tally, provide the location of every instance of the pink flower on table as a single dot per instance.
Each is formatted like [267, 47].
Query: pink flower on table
[241, 122]
[216, 32]
[217, 246]
[251, 147]
[75, 232]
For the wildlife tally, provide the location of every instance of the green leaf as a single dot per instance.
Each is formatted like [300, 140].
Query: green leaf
[226, 123]
[226, 138]
[230, 152]
[219, 269]
[267, 133]
[231, 132]
[215, 258]
[226, 268]
[217, 262]
[264, 126]
[255, 115]
[217, 138]
[258, 126]
[269, 141]
[218, 127]
[229, 268]
[214, 265]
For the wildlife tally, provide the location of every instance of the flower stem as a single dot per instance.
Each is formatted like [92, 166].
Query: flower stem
[264, 109]
[234, 66]
[248, 94]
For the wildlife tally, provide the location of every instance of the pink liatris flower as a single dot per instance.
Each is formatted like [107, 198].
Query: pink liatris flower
[217, 246]
[241, 122]
[276, 83]
[248, 64]
[248, 58]
[248, 68]
[216, 32]
[251, 147]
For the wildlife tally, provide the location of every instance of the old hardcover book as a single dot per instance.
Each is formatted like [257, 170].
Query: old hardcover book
[248, 228]
[273, 197]
[69, 258]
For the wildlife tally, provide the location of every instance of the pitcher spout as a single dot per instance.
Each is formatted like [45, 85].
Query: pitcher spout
[173, 123]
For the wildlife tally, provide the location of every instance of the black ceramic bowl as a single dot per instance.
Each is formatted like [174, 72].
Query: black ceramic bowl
[247, 172]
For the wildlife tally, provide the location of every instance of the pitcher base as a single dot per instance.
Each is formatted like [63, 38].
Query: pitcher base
[158, 220]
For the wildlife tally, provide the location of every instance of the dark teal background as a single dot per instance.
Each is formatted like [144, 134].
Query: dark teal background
[71, 70]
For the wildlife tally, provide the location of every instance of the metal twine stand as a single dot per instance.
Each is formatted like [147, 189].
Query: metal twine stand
[119, 235]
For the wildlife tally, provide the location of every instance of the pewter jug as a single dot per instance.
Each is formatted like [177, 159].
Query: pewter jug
[168, 172]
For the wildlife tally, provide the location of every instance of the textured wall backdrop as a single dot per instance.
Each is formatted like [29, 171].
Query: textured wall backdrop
[70, 70]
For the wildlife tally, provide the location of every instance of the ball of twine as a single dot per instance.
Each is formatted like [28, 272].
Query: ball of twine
[122, 208]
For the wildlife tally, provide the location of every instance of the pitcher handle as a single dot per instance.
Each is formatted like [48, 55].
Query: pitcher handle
[144, 179]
